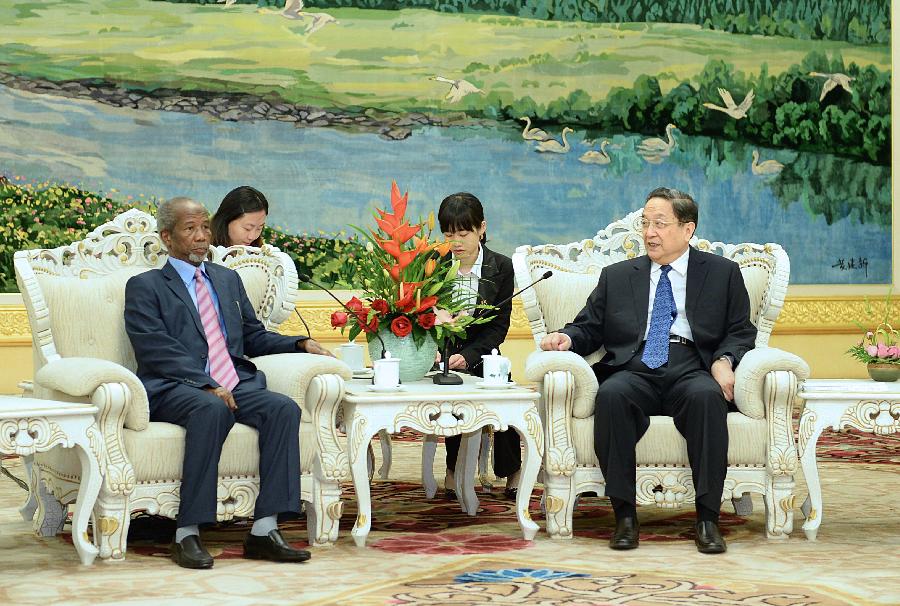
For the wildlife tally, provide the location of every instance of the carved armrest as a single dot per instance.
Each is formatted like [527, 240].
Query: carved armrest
[291, 374]
[750, 379]
[539, 363]
[82, 377]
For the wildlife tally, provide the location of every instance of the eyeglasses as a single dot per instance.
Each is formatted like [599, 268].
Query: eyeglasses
[658, 224]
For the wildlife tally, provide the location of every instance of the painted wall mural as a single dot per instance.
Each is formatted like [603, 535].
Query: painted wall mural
[560, 115]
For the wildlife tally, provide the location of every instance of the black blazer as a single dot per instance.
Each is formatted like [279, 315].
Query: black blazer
[168, 338]
[716, 304]
[495, 285]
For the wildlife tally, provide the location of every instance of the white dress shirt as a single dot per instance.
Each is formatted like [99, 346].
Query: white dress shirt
[678, 278]
[467, 284]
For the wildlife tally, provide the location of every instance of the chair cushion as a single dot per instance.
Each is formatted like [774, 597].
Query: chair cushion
[663, 445]
[92, 312]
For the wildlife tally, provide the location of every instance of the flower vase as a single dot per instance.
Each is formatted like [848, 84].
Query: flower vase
[414, 361]
[882, 372]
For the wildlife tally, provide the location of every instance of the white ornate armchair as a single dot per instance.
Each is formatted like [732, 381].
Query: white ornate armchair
[762, 455]
[74, 296]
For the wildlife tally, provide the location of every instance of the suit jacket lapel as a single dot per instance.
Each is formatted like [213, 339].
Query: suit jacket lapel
[487, 283]
[696, 277]
[640, 292]
[176, 285]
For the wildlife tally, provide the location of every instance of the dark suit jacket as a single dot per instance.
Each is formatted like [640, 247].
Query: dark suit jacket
[716, 304]
[495, 285]
[167, 334]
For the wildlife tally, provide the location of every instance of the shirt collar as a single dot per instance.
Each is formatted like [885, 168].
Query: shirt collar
[679, 265]
[186, 270]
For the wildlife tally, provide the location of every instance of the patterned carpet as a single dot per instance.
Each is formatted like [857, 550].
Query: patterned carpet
[427, 552]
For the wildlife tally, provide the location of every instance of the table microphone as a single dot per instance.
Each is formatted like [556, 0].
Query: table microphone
[304, 277]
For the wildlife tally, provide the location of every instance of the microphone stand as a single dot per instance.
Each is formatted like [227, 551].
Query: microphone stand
[444, 377]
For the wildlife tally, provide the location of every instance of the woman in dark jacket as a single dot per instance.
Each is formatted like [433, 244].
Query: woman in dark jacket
[485, 277]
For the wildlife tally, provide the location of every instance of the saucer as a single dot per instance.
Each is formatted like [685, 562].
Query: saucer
[362, 373]
[485, 385]
[386, 388]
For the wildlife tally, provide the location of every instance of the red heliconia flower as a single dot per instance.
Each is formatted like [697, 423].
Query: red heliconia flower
[426, 303]
[401, 326]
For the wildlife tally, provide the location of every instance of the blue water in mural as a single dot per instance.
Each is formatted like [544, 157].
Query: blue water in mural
[322, 179]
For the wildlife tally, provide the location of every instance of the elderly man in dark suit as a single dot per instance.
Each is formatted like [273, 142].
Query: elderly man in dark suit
[191, 326]
[675, 324]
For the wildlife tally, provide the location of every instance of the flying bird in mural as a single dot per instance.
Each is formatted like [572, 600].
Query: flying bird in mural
[319, 20]
[226, 2]
[458, 88]
[533, 134]
[596, 157]
[554, 146]
[293, 9]
[735, 111]
[832, 82]
[766, 167]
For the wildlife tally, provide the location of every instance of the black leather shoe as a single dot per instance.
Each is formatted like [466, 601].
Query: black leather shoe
[272, 547]
[626, 535]
[450, 494]
[190, 553]
[511, 492]
[709, 539]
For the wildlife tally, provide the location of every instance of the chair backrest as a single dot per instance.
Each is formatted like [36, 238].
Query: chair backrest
[75, 294]
[576, 267]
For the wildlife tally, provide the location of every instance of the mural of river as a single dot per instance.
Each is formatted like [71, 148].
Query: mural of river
[830, 213]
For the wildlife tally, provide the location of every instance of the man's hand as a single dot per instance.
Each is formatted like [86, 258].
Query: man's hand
[724, 376]
[556, 341]
[312, 346]
[457, 362]
[223, 393]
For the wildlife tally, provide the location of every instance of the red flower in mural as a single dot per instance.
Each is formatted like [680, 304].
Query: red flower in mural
[401, 326]
[426, 320]
[451, 543]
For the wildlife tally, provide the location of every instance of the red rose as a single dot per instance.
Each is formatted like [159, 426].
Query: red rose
[354, 305]
[338, 319]
[426, 320]
[371, 326]
[401, 326]
[381, 306]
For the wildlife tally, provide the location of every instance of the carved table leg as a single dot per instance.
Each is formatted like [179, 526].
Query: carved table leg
[531, 463]
[429, 448]
[359, 435]
[385, 439]
[87, 494]
[30, 505]
[466, 463]
[811, 426]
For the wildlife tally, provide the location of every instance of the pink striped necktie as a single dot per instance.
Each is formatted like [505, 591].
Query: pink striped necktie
[221, 368]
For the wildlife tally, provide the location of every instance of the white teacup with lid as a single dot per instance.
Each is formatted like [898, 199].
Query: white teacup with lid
[387, 372]
[352, 355]
[496, 368]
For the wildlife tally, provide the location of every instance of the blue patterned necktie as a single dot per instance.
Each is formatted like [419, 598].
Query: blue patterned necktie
[656, 350]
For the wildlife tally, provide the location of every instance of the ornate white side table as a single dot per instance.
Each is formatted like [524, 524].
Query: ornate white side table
[864, 405]
[443, 410]
[30, 425]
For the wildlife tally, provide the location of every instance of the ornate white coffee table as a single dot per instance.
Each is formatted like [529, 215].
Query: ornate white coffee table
[30, 425]
[864, 405]
[443, 410]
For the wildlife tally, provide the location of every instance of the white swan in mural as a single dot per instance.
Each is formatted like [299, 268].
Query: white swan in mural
[832, 82]
[533, 134]
[458, 88]
[735, 111]
[554, 146]
[766, 167]
[226, 2]
[657, 146]
[596, 157]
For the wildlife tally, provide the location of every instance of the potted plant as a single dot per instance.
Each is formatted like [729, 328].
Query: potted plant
[409, 300]
[880, 350]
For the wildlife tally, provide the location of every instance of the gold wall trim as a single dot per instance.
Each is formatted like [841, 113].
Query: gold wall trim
[801, 315]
